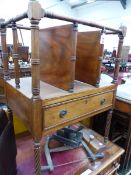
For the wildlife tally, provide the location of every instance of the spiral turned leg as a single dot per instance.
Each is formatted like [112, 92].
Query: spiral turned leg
[108, 124]
[37, 157]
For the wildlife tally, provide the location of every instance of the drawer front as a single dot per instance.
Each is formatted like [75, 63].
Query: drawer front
[111, 169]
[76, 108]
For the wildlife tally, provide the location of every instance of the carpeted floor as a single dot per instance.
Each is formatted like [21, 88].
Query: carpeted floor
[25, 159]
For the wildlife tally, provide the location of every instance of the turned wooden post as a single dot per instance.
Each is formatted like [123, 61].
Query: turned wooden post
[108, 125]
[15, 55]
[35, 61]
[4, 54]
[73, 58]
[100, 58]
[35, 14]
[99, 71]
[118, 57]
[35, 71]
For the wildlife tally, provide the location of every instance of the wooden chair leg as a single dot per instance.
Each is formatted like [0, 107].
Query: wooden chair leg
[108, 125]
[37, 157]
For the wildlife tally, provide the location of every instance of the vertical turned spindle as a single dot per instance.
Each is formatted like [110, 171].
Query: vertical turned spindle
[4, 54]
[118, 57]
[101, 57]
[35, 15]
[15, 55]
[108, 125]
[99, 71]
[37, 157]
[73, 58]
[35, 61]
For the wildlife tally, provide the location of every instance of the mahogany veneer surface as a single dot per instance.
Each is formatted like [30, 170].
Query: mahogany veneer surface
[55, 55]
[48, 91]
[2, 91]
[89, 51]
[85, 101]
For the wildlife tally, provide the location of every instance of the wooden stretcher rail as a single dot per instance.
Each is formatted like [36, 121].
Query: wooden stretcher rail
[19, 27]
[15, 19]
[60, 17]
[79, 21]
[110, 33]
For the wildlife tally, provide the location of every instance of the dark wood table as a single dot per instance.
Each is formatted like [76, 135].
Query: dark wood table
[123, 104]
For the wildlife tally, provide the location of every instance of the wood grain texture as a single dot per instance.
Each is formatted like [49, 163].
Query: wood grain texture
[89, 50]
[44, 113]
[118, 58]
[55, 56]
[16, 56]
[35, 60]
[124, 107]
[2, 91]
[20, 104]
[4, 54]
[76, 109]
[23, 52]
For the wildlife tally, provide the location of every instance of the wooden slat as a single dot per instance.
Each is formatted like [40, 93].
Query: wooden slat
[89, 51]
[55, 56]
[23, 52]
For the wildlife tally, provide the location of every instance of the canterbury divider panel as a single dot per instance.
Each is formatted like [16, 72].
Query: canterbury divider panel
[23, 52]
[88, 53]
[56, 48]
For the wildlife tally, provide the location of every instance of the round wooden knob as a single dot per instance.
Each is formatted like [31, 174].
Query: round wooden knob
[63, 113]
[102, 101]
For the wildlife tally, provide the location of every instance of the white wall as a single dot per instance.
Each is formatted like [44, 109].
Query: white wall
[108, 13]
[16, 7]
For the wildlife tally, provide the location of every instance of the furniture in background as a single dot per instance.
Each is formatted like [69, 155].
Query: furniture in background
[25, 70]
[62, 90]
[120, 131]
[123, 111]
[125, 53]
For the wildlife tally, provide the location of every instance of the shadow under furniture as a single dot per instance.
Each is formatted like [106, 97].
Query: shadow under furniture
[120, 132]
[63, 90]
[123, 111]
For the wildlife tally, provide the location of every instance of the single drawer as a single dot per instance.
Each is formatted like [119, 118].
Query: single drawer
[69, 110]
[111, 169]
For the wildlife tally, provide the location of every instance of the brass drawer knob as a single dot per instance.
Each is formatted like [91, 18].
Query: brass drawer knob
[102, 101]
[62, 113]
